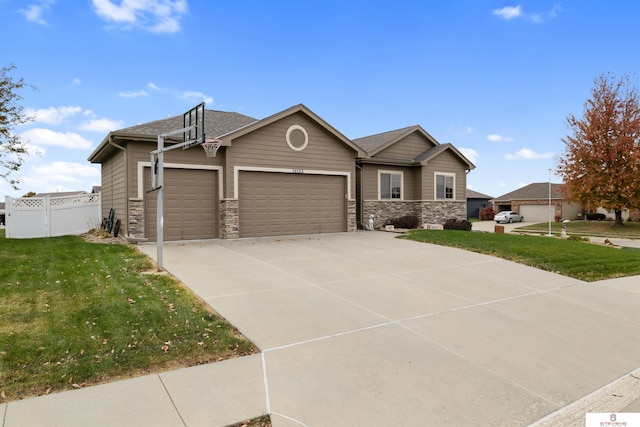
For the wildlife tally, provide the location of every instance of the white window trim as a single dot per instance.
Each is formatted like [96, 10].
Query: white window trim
[401, 173]
[142, 165]
[435, 185]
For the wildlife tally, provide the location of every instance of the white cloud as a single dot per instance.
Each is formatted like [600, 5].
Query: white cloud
[154, 86]
[508, 12]
[511, 12]
[76, 82]
[40, 136]
[52, 115]
[60, 176]
[469, 130]
[470, 154]
[135, 94]
[33, 12]
[193, 96]
[67, 171]
[499, 138]
[101, 125]
[156, 16]
[528, 154]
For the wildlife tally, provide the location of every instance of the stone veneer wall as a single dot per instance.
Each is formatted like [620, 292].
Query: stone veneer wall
[429, 212]
[135, 228]
[351, 216]
[229, 219]
[439, 212]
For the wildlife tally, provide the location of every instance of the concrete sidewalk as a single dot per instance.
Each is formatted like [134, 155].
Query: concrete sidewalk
[364, 329]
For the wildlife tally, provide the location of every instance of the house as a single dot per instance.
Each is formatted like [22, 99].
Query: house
[290, 173]
[532, 202]
[476, 202]
[407, 172]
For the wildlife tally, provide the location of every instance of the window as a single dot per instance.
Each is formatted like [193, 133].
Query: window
[445, 186]
[390, 185]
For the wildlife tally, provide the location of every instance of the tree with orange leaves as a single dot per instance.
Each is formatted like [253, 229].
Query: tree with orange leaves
[601, 163]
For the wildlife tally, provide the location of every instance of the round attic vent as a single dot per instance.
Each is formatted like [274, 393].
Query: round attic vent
[297, 138]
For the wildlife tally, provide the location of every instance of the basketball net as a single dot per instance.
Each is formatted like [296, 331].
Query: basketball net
[211, 147]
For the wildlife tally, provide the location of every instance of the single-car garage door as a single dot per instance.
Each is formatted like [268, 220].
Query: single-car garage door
[190, 204]
[281, 204]
[536, 213]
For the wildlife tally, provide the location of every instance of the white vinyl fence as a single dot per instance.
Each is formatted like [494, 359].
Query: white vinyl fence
[49, 216]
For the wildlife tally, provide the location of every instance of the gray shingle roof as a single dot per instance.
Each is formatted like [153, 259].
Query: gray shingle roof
[371, 143]
[216, 123]
[537, 190]
[475, 195]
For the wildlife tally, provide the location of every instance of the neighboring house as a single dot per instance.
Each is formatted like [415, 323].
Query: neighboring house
[407, 172]
[290, 173]
[2, 214]
[476, 202]
[633, 215]
[532, 202]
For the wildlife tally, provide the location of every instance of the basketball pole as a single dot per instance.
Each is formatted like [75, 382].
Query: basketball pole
[157, 169]
[192, 135]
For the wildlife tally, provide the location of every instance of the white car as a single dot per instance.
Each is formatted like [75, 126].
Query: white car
[508, 216]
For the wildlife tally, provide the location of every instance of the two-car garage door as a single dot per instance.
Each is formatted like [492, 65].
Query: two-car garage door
[537, 213]
[280, 204]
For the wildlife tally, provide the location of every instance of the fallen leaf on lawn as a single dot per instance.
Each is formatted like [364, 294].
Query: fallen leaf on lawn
[165, 348]
[76, 385]
[2, 395]
[47, 391]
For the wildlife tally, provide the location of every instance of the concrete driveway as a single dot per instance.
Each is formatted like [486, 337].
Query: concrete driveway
[365, 329]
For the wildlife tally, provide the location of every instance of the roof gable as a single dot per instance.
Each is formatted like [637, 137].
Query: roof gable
[433, 152]
[227, 139]
[374, 144]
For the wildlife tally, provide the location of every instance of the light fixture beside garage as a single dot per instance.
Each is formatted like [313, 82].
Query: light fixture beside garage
[297, 138]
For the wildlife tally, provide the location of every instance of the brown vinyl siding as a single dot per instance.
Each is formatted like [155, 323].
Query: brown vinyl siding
[445, 163]
[267, 147]
[407, 148]
[411, 182]
[113, 186]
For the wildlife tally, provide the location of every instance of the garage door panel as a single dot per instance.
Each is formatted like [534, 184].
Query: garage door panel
[190, 204]
[277, 204]
[536, 213]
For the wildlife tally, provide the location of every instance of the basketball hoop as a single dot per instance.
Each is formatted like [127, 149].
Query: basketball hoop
[211, 147]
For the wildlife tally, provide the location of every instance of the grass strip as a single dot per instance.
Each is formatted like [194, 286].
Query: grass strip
[581, 260]
[630, 230]
[74, 313]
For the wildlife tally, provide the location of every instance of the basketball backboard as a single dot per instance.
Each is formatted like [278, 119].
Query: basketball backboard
[195, 118]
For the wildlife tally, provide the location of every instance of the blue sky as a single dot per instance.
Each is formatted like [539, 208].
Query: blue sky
[495, 78]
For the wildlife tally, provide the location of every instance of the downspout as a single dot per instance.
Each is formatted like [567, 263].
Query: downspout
[126, 182]
[359, 192]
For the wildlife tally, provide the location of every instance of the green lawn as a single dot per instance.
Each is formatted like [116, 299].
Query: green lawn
[585, 261]
[629, 230]
[74, 313]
